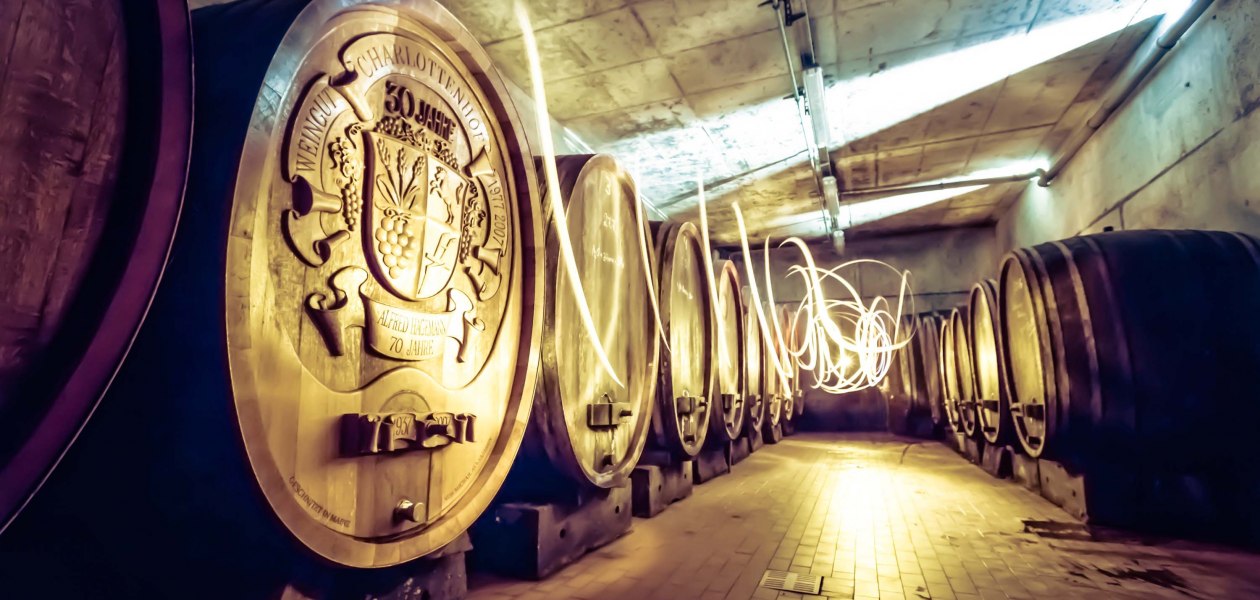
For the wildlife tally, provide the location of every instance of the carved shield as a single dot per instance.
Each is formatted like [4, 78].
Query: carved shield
[414, 203]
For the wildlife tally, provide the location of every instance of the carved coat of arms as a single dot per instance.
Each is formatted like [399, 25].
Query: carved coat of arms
[398, 196]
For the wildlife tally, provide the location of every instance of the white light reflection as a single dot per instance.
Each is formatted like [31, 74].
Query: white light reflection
[869, 211]
[553, 192]
[867, 105]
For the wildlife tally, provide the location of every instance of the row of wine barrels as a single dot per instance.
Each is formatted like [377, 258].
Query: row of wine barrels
[1135, 343]
[687, 379]
[585, 423]
[97, 123]
[729, 409]
[341, 359]
[993, 414]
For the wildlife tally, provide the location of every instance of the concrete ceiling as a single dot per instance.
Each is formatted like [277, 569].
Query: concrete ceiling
[679, 89]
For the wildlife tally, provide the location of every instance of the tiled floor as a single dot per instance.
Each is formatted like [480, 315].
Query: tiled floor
[880, 517]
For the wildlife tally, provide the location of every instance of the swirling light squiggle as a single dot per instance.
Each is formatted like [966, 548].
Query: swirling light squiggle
[846, 343]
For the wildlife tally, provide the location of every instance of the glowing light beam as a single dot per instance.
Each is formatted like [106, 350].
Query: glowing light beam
[553, 191]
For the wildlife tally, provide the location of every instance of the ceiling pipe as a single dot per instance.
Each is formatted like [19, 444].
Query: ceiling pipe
[796, 88]
[1134, 74]
[914, 188]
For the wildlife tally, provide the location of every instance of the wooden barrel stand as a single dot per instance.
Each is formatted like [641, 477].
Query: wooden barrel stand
[569, 490]
[687, 384]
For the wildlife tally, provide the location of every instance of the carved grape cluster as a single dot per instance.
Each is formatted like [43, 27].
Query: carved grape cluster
[397, 243]
[349, 179]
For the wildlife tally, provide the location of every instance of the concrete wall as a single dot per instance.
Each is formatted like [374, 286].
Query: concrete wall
[943, 265]
[1183, 152]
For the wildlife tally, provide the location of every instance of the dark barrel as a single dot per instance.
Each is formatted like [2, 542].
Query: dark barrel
[993, 408]
[793, 397]
[901, 385]
[729, 410]
[771, 425]
[338, 367]
[965, 381]
[584, 424]
[687, 384]
[1133, 357]
[95, 137]
[929, 341]
[756, 382]
[1134, 341]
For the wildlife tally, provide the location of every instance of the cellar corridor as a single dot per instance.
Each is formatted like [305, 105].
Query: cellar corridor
[878, 516]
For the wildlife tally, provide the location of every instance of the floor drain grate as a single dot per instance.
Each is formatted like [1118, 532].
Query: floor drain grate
[792, 582]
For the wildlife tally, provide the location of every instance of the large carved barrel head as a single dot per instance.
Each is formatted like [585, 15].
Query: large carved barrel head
[730, 408]
[687, 384]
[381, 281]
[97, 109]
[586, 423]
[755, 380]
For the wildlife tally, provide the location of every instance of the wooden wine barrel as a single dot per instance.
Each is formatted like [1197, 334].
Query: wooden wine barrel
[729, 410]
[965, 382]
[793, 400]
[97, 107]
[900, 385]
[688, 383]
[773, 384]
[993, 409]
[929, 334]
[1135, 343]
[584, 423]
[949, 375]
[756, 381]
[306, 386]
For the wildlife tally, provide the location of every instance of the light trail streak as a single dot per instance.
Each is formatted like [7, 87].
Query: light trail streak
[756, 295]
[553, 190]
[647, 270]
[724, 360]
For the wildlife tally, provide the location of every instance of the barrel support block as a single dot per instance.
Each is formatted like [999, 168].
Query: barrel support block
[1024, 470]
[711, 463]
[1103, 494]
[737, 450]
[532, 541]
[973, 449]
[772, 434]
[755, 441]
[996, 461]
[655, 487]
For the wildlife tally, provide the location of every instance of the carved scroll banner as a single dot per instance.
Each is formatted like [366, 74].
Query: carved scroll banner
[391, 331]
